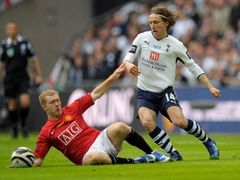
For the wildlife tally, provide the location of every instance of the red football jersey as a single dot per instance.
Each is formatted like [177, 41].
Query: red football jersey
[70, 134]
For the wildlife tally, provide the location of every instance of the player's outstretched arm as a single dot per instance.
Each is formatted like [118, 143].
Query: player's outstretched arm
[102, 88]
[37, 71]
[1, 68]
[214, 91]
[38, 162]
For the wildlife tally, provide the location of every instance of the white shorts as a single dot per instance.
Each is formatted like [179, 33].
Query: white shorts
[103, 144]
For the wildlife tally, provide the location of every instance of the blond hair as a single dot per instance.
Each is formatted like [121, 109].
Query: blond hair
[165, 14]
[42, 96]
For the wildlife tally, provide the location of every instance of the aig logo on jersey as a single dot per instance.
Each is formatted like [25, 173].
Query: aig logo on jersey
[68, 134]
[154, 56]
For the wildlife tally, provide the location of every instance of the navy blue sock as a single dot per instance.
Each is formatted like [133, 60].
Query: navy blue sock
[23, 117]
[161, 138]
[195, 129]
[13, 117]
[136, 140]
[119, 160]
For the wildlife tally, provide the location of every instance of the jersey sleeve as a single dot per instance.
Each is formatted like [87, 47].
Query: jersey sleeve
[1, 54]
[184, 57]
[42, 146]
[134, 50]
[82, 104]
[30, 52]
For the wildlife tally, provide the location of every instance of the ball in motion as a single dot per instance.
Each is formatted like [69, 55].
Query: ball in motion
[22, 157]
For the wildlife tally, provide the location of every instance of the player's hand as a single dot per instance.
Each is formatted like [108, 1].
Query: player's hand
[215, 92]
[132, 69]
[119, 71]
[38, 80]
[9, 166]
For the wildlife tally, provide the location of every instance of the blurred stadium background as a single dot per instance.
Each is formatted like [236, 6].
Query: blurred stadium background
[80, 43]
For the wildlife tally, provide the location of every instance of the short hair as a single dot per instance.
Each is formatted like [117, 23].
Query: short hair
[48, 92]
[165, 14]
[11, 22]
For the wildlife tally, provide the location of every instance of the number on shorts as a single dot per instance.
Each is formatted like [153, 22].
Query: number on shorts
[170, 96]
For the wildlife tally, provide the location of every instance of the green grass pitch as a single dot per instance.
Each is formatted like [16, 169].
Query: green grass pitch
[196, 164]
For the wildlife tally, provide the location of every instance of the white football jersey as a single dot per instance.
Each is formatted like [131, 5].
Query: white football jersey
[157, 60]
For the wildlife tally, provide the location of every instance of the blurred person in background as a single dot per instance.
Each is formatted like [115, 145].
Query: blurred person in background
[76, 73]
[236, 40]
[88, 40]
[184, 27]
[157, 53]
[234, 15]
[220, 14]
[15, 55]
[231, 74]
[112, 55]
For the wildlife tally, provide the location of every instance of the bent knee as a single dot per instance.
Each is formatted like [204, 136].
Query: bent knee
[25, 100]
[122, 125]
[149, 125]
[89, 159]
[122, 128]
[147, 119]
[95, 158]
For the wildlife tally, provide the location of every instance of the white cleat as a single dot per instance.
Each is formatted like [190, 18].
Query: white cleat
[160, 157]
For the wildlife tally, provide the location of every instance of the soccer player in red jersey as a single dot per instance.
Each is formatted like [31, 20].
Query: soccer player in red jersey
[67, 131]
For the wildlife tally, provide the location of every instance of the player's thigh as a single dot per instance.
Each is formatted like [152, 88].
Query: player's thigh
[177, 117]
[24, 100]
[146, 114]
[10, 92]
[96, 157]
[12, 103]
[24, 92]
[103, 143]
[117, 132]
[148, 118]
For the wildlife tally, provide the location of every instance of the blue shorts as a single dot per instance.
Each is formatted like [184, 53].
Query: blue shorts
[158, 102]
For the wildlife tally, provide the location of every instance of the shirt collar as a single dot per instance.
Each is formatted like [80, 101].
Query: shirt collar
[9, 40]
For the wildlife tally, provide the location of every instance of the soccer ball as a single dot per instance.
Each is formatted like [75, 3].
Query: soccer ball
[22, 157]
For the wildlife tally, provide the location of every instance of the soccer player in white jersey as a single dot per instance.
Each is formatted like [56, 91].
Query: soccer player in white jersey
[157, 53]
